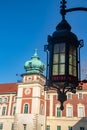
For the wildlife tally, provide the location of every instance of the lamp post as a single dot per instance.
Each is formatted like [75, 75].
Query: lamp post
[63, 57]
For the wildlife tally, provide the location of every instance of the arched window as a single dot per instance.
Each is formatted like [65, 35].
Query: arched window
[26, 107]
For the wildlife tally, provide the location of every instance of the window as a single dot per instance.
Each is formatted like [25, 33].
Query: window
[3, 111]
[12, 127]
[14, 110]
[0, 99]
[42, 109]
[69, 111]
[26, 108]
[82, 128]
[58, 113]
[48, 96]
[48, 127]
[69, 127]
[58, 127]
[24, 126]
[69, 96]
[80, 95]
[80, 111]
[5, 99]
[1, 126]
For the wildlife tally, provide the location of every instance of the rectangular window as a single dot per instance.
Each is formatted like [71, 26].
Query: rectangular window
[14, 110]
[48, 127]
[3, 111]
[69, 127]
[12, 127]
[58, 127]
[69, 112]
[80, 112]
[5, 99]
[58, 112]
[0, 99]
[25, 126]
[1, 126]
[82, 128]
[80, 95]
[69, 96]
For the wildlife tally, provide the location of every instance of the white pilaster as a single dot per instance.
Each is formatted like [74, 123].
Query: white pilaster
[51, 105]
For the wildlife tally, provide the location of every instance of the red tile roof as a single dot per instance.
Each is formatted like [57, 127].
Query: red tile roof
[8, 88]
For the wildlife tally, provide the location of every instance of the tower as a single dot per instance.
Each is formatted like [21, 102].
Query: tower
[30, 111]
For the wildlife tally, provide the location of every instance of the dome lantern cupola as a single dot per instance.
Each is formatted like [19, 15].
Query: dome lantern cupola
[35, 65]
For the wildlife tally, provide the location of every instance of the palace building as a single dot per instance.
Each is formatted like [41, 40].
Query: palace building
[26, 106]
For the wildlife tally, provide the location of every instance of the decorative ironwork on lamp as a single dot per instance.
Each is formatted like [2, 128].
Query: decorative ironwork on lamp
[63, 57]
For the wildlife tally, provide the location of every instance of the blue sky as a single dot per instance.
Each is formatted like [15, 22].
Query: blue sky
[25, 25]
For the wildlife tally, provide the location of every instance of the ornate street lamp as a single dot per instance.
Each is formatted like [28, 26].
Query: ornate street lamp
[63, 57]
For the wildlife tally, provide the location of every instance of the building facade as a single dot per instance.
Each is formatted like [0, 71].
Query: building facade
[26, 106]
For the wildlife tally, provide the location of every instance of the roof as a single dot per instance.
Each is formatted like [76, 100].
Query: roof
[8, 87]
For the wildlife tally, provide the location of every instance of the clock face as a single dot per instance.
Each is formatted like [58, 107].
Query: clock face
[27, 91]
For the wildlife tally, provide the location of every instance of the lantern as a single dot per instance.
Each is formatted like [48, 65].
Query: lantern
[63, 57]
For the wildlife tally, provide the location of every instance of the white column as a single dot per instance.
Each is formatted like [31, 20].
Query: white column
[10, 104]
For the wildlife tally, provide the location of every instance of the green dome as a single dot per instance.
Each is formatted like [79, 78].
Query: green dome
[34, 65]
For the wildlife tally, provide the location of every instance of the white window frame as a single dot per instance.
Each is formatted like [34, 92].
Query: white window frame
[5, 110]
[69, 111]
[81, 110]
[80, 96]
[5, 99]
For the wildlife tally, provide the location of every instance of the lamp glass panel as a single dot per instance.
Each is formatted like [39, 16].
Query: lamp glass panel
[59, 59]
[62, 58]
[74, 71]
[70, 69]
[55, 58]
[62, 47]
[62, 69]
[74, 61]
[55, 69]
[70, 59]
[56, 48]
